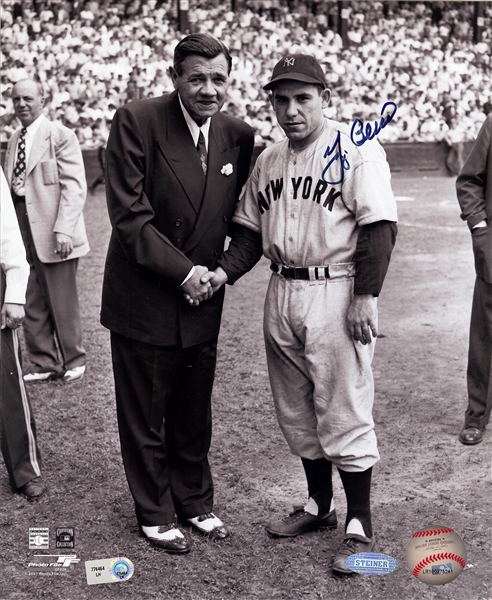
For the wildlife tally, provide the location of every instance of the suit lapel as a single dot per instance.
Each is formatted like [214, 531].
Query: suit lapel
[176, 144]
[39, 145]
[217, 184]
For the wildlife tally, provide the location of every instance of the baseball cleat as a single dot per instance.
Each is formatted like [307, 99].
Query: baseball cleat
[352, 544]
[301, 521]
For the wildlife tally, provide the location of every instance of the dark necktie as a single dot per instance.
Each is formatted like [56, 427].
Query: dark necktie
[202, 152]
[20, 166]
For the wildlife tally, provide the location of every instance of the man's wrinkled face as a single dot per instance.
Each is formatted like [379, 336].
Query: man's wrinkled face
[299, 110]
[28, 102]
[202, 86]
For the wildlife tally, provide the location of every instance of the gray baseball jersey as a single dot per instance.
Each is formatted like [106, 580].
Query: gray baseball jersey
[308, 204]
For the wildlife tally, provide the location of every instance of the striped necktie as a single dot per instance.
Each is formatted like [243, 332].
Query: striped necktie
[202, 152]
[19, 173]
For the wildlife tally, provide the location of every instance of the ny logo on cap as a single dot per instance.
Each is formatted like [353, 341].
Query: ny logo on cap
[289, 62]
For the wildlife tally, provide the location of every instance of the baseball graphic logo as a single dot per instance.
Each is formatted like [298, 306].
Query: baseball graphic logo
[436, 555]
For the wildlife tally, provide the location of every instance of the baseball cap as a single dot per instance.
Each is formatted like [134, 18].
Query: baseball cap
[299, 67]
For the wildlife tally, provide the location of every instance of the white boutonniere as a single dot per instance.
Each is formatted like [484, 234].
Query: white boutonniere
[227, 169]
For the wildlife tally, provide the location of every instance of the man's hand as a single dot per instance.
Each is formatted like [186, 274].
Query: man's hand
[362, 318]
[196, 291]
[63, 245]
[12, 315]
[216, 279]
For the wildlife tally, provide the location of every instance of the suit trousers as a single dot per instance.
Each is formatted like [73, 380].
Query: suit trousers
[52, 309]
[479, 371]
[17, 427]
[163, 402]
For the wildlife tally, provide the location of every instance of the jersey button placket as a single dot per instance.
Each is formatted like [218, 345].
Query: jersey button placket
[291, 211]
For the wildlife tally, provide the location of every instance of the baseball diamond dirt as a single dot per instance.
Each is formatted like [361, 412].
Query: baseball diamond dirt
[425, 475]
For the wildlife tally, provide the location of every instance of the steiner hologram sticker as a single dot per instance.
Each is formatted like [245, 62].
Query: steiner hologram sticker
[108, 570]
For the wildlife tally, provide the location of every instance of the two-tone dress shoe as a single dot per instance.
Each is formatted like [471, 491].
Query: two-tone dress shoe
[167, 537]
[352, 544]
[300, 521]
[34, 489]
[75, 374]
[41, 377]
[210, 525]
[471, 435]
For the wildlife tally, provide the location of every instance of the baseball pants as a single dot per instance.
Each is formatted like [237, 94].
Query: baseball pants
[321, 378]
[17, 427]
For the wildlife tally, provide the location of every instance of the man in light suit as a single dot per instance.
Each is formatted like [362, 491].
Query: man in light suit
[474, 189]
[45, 171]
[175, 167]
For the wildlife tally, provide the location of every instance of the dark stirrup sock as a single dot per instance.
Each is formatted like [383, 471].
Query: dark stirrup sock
[357, 488]
[320, 488]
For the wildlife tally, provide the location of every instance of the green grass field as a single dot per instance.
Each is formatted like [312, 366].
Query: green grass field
[424, 477]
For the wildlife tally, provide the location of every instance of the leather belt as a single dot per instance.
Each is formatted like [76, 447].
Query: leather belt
[306, 273]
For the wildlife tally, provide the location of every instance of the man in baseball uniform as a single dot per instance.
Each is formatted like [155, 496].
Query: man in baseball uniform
[319, 205]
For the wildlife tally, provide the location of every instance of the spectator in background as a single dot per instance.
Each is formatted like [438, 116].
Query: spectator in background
[474, 189]
[454, 138]
[397, 52]
[45, 170]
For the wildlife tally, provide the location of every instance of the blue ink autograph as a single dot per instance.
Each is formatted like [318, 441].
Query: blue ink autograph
[357, 131]
[367, 133]
[344, 163]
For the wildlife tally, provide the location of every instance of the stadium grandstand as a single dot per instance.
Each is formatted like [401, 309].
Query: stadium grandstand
[433, 59]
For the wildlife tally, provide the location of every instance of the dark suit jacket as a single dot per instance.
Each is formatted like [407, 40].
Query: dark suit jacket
[474, 188]
[161, 224]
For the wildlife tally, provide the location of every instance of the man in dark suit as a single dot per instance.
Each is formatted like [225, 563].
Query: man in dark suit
[175, 167]
[474, 188]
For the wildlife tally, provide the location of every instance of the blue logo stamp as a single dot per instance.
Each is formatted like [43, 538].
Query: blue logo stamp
[371, 563]
[121, 569]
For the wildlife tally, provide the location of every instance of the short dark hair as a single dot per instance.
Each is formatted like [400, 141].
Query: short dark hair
[202, 44]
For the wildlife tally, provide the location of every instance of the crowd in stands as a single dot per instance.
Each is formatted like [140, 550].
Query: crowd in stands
[96, 55]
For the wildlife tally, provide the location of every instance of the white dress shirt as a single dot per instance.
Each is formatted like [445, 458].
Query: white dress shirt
[31, 131]
[195, 134]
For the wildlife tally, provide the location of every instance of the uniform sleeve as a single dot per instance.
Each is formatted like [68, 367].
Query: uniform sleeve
[13, 253]
[244, 251]
[247, 211]
[367, 190]
[471, 182]
[245, 248]
[372, 256]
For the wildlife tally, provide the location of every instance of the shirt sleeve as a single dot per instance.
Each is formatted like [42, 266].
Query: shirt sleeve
[14, 262]
[372, 256]
[244, 251]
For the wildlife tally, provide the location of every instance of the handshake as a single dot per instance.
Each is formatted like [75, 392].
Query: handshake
[203, 284]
